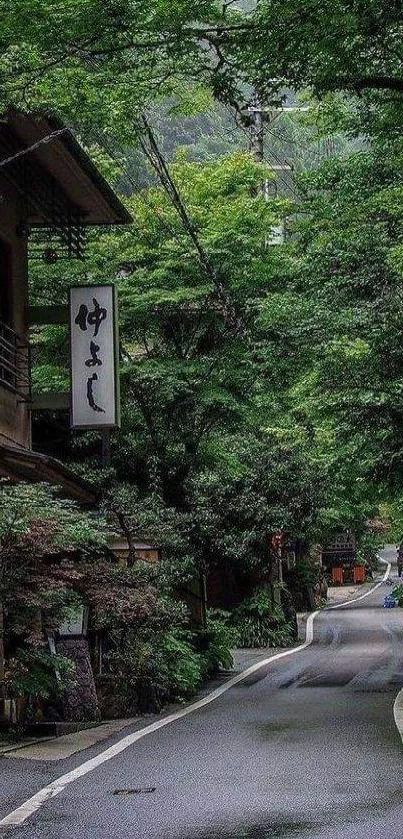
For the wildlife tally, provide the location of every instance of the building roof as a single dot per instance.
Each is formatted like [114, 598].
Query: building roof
[70, 166]
[20, 464]
[120, 543]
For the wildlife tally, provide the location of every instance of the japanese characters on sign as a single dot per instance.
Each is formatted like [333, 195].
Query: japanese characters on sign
[94, 373]
[344, 541]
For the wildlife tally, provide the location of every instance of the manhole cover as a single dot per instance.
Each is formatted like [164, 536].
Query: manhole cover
[137, 791]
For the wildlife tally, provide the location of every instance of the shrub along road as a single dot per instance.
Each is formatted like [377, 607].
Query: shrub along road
[306, 747]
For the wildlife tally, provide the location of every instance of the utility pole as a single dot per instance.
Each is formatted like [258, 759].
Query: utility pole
[258, 117]
[257, 131]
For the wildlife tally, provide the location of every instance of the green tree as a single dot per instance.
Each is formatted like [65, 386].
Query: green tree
[345, 328]
[53, 558]
[203, 405]
[111, 59]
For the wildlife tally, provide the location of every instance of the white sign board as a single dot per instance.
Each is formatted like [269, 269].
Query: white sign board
[94, 357]
[276, 236]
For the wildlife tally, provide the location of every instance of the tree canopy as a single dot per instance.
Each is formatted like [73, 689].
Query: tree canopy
[261, 377]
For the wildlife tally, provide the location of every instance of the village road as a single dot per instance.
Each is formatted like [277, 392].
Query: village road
[307, 747]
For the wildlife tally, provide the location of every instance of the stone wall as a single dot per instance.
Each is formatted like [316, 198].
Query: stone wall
[80, 701]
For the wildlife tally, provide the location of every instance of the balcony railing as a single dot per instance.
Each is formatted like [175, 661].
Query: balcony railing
[15, 363]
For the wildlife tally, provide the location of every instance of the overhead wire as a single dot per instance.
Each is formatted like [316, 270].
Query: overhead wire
[140, 189]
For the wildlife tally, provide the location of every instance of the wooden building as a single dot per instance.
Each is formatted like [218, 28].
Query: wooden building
[339, 560]
[143, 550]
[50, 191]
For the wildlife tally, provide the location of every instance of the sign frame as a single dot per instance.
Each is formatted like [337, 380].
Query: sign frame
[116, 392]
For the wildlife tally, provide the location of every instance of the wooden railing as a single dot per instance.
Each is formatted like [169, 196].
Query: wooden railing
[15, 363]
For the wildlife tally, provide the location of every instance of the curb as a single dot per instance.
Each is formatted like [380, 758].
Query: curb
[53, 748]
[15, 747]
[398, 713]
[302, 618]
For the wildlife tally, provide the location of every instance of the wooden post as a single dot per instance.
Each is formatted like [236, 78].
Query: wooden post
[106, 447]
[203, 593]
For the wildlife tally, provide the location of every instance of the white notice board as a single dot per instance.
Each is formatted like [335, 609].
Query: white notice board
[94, 357]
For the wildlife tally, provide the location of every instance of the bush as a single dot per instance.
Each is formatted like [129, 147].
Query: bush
[141, 684]
[150, 673]
[182, 664]
[36, 674]
[168, 666]
[397, 593]
[260, 623]
[215, 642]
[31, 677]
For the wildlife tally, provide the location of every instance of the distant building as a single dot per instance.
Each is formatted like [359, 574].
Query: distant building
[339, 560]
[340, 551]
[143, 550]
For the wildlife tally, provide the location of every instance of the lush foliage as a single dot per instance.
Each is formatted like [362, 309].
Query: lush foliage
[208, 470]
[261, 385]
[158, 664]
[114, 58]
[36, 674]
[347, 299]
[54, 557]
[261, 623]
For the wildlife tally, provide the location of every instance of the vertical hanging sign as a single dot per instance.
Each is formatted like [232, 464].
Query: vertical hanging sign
[94, 357]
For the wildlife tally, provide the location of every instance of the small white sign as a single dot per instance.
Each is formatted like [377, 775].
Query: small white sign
[94, 357]
[276, 236]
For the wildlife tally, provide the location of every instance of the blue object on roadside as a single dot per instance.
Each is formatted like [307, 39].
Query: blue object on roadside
[389, 602]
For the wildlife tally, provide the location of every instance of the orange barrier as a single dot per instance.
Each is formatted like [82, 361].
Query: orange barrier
[358, 574]
[337, 576]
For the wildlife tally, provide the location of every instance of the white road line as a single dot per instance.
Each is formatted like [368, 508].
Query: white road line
[398, 713]
[22, 813]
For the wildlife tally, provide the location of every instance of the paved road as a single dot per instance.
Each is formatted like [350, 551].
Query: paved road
[307, 747]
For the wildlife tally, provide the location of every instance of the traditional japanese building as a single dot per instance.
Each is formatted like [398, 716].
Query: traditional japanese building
[50, 192]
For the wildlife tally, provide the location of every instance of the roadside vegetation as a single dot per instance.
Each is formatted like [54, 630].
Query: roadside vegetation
[262, 384]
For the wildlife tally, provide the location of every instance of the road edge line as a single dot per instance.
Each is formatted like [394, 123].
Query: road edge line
[29, 807]
[33, 804]
[398, 713]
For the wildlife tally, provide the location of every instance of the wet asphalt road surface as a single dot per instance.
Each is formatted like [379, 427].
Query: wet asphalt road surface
[307, 747]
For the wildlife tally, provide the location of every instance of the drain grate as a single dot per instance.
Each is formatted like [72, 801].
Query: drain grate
[137, 791]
